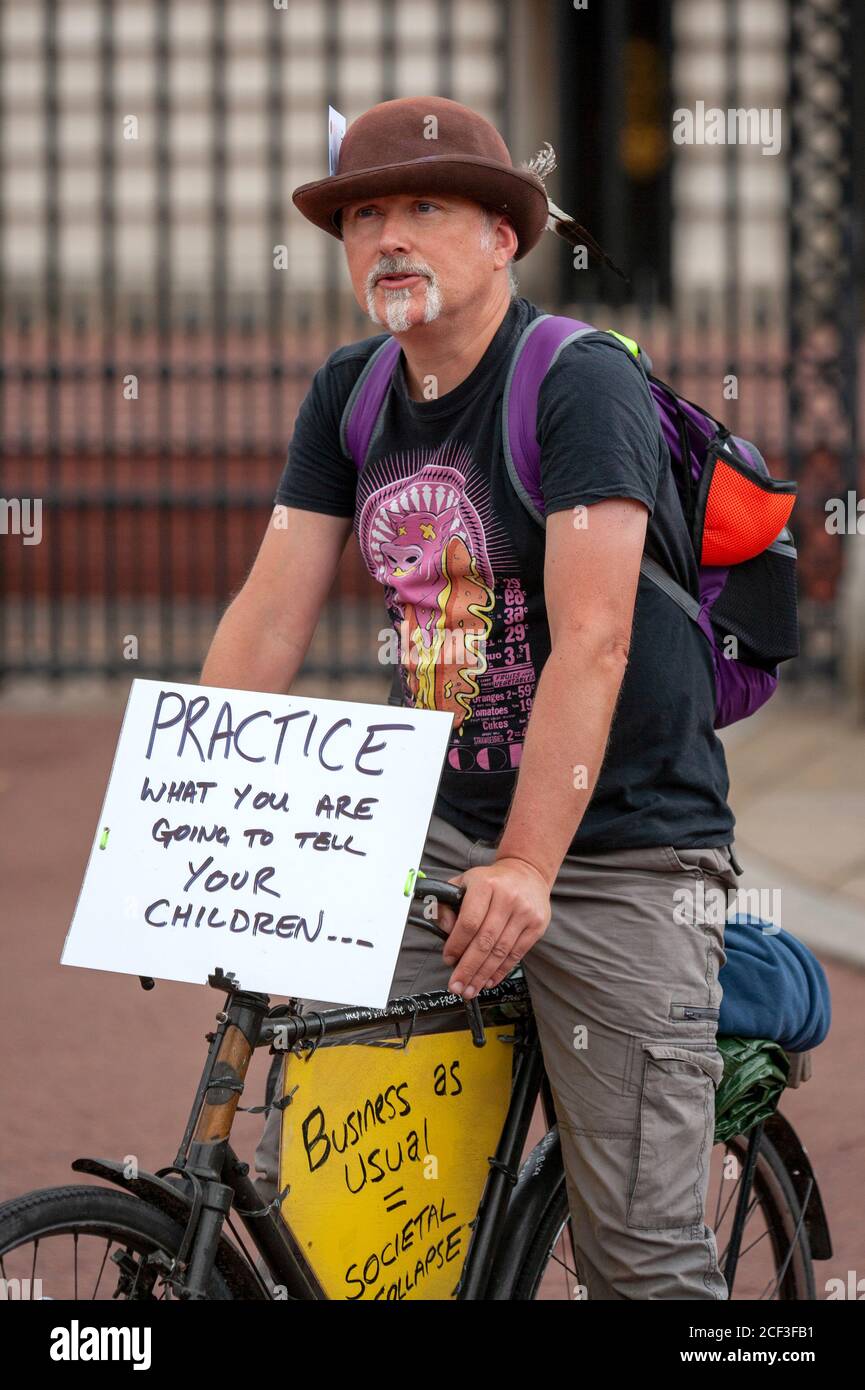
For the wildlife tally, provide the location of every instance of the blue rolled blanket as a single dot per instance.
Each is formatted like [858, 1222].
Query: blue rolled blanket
[774, 986]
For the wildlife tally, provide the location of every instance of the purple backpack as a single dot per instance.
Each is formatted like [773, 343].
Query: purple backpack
[736, 512]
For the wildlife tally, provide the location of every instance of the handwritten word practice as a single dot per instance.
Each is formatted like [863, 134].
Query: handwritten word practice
[287, 734]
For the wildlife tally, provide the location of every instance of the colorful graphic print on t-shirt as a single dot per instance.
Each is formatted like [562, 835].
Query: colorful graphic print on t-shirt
[426, 533]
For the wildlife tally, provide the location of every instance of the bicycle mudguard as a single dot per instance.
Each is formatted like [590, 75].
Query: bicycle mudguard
[798, 1165]
[171, 1199]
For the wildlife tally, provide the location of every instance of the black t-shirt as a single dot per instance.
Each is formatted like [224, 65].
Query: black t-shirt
[441, 527]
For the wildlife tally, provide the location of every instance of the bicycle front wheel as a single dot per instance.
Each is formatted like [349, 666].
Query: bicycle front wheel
[89, 1243]
[774, 1254]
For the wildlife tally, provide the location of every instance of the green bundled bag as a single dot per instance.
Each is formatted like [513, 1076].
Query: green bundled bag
[755, 1074]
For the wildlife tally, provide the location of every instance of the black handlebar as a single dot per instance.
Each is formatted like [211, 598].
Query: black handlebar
[449, 894]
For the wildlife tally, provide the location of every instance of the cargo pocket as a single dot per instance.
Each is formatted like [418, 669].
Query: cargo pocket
[674, 1139]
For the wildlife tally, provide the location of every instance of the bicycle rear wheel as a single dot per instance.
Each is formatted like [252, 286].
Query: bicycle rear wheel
[774, 1255]
[89, 1243]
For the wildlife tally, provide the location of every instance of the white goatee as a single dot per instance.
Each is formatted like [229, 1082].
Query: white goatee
[396, 302]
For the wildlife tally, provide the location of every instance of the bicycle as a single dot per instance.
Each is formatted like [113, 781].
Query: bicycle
[169, 1226]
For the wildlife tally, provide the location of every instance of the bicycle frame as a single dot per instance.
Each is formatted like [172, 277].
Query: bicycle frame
[215, 1180]
[212, 1162]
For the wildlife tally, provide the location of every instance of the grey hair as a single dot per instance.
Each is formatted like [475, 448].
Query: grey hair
[488, 219]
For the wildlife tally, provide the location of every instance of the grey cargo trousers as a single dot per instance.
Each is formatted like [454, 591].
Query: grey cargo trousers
[630, 954]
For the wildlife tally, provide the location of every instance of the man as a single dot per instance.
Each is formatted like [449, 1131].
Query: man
[573, 831]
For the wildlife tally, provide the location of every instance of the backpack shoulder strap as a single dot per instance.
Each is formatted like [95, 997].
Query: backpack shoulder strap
[538, 348]
[652, 570]
[536, 352]
[364, 406]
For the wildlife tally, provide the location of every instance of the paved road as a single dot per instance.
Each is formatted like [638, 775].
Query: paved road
[94, 1065]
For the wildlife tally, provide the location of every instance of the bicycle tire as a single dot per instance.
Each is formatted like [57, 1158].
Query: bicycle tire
[779, 1203]
[94, 1211]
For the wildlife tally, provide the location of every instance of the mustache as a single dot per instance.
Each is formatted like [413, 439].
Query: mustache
[398, 265]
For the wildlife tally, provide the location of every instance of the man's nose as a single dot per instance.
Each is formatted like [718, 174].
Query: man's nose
[394, 236]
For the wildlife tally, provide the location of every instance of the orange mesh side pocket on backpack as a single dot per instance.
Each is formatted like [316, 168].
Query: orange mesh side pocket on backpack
[740, 511]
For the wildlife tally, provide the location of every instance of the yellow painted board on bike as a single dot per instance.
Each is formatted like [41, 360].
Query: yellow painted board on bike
[386, 1151]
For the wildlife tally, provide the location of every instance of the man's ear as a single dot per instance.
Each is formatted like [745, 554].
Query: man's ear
[506, 238]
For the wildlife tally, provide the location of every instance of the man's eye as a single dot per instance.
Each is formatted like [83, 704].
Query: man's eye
[427, 205]
[359, 212]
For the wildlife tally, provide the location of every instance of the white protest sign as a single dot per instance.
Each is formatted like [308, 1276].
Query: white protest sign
[336, 126]
[270, 835]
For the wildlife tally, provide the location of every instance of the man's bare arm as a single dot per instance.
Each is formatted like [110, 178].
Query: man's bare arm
[265, 632]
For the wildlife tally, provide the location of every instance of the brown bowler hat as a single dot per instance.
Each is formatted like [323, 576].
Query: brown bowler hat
[385, 151]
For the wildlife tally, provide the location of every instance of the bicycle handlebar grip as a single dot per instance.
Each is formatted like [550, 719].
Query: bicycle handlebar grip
[450, 894]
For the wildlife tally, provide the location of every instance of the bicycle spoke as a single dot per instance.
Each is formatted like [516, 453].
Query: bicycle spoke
[744, 1224]
[563, 1265]
[570, 1243]
[754, 1243]
[566, 1262]
[716, 1223]
[101, 1267]
[731, 1198]
[565, 1273]
[796, 1234]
